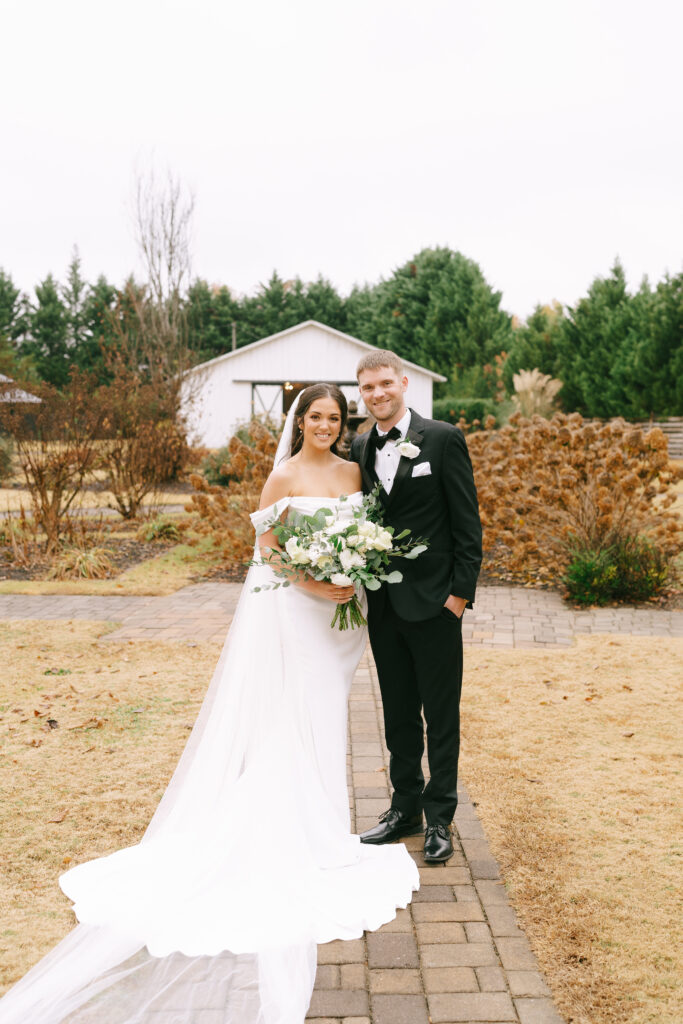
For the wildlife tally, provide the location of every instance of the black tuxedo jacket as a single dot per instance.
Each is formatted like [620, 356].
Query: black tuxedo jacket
[440, 506]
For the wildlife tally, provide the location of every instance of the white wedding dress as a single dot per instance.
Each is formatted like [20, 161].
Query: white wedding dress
[248, 862]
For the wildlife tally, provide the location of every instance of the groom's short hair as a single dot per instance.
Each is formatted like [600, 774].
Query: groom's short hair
[380, 357]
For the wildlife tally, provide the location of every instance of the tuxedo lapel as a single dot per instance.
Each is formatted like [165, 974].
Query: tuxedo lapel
[416, 435]
[367, 462]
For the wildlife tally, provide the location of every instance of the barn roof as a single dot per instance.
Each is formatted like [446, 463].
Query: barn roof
[298, 327]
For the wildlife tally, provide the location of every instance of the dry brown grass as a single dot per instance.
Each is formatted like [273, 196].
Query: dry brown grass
[573, 759]
[578, 796]
[89, 784]
[13, 499]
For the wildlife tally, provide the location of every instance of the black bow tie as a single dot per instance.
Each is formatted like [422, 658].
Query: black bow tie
[379, 442]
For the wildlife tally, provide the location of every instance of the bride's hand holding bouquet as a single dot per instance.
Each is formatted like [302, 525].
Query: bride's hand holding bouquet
[348, 548]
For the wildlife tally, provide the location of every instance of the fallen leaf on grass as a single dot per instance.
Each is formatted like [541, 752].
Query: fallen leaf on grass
[57, 818]
[91, 723]
[628, 735]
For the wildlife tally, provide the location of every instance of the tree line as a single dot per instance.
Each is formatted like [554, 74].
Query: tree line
[617, 352]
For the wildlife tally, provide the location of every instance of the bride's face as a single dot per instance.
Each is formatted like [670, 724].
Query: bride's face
[321, 423]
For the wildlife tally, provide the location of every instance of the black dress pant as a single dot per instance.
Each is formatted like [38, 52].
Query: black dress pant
[420, 670]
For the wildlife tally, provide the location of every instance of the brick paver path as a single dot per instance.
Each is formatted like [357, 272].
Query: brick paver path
[457, 953]
[502, 616]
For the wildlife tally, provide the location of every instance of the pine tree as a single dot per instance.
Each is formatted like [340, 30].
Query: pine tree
[649, 367]
[48, 333]
[593, 334]
[98, 334]
[437, 310]
[210, 315]
[12, 308]
[13, 323]
[74, 296]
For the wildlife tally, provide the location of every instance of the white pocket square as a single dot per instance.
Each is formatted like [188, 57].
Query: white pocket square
[422, 469]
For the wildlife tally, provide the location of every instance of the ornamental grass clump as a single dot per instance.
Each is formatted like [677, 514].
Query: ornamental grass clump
[222, 513]
[75, 563]
[159, 528]
[553, 490]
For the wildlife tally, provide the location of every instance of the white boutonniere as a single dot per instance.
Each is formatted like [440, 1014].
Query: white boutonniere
[407, 449]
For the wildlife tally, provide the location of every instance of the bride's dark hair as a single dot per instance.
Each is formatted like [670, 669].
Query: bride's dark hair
[306, 399]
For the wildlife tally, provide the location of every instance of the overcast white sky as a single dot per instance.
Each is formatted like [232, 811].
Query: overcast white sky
[539, 137]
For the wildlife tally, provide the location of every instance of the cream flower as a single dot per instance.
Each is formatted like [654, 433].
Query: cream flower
[298, 555]
[340, 580]
[407, 449]
[349, 559]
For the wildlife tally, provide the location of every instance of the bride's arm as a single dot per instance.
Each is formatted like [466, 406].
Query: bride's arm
[279, 487]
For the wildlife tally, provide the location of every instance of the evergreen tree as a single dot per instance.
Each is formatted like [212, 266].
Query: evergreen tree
[211, 312]
[535, 344]
[97, 334]
[74, 296]
[649, 366]
[48, 333]
[362, 312]
[593, 335]
[12, 309]
[319, 300]
[13, 324]
[436, 310]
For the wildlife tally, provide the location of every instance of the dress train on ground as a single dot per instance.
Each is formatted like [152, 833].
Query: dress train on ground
[248, 862]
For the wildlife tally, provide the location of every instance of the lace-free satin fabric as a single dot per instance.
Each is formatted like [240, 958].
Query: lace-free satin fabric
[248, 862]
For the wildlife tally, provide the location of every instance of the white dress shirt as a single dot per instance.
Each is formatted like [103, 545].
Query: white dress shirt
[387, 460]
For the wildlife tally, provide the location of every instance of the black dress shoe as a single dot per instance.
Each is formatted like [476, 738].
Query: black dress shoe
[438, 844]
[392, 825]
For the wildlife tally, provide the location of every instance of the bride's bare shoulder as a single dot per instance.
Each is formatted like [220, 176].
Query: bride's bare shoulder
[349, 475]
[278, 485]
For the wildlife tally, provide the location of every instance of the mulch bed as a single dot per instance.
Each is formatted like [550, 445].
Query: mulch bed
[124, 553]
[127, 552]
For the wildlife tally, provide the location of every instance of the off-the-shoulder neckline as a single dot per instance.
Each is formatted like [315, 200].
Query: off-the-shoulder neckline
[323, 497]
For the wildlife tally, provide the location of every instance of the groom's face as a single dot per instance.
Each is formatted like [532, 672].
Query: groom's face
[383, 392]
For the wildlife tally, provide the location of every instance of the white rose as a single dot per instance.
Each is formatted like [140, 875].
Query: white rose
[336, 526]
[353, 541]
[297, 554]
[407, 449]
[383, 541]
[340, 580]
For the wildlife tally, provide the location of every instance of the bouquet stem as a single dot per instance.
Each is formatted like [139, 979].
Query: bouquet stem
[348, 615]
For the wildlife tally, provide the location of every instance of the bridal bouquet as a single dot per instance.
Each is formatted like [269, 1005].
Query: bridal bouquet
[347, 547]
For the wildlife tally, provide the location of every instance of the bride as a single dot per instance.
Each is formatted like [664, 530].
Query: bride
[248, 862]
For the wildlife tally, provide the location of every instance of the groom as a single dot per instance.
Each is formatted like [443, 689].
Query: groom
[427, 487]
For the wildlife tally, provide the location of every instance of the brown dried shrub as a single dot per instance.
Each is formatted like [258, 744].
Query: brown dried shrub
[223, 512]
[56, 446]
[143, 439]
[548, 488]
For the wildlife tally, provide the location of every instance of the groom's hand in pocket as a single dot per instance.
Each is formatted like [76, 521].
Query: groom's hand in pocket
[456, 605]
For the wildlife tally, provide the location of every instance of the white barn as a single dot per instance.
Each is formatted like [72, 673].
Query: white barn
[264, 378]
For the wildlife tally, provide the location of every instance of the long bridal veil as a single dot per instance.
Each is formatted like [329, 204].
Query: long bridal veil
[214, 917]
